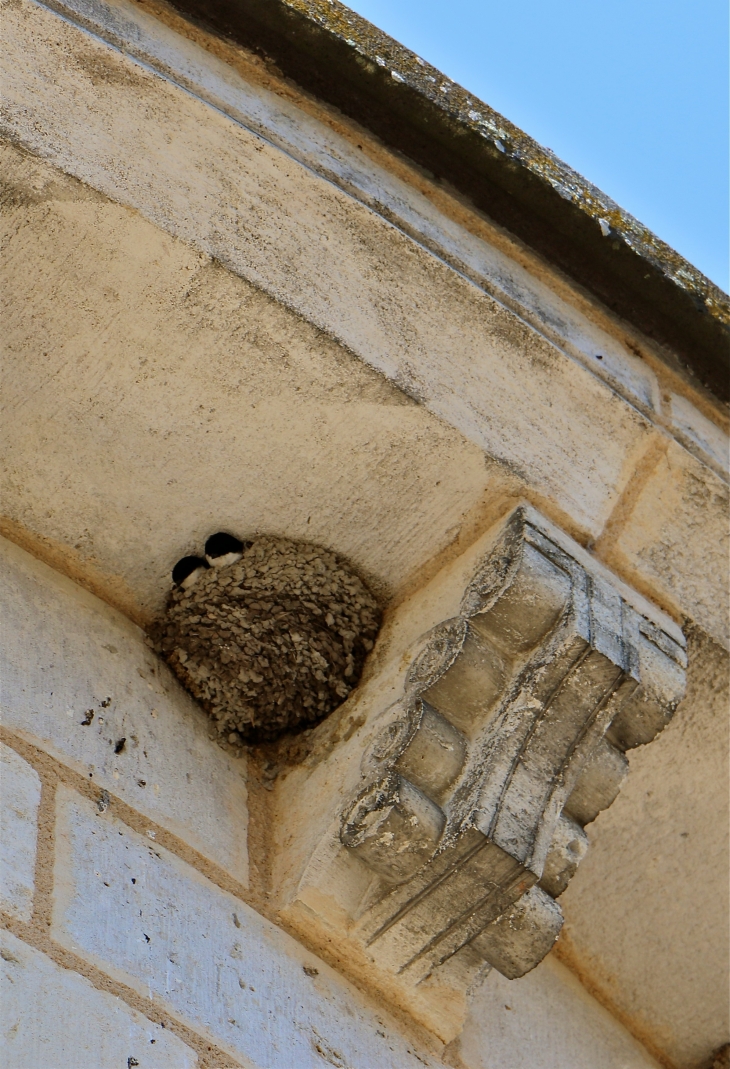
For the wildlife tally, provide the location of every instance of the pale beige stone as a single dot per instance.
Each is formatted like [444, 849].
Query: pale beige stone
[52, 1018]
[702, 432]
[20, 795]
[646, 914]
[207, 957]
[675, 540]
[545, 1021]
[445, 341]
[414, 832]
[132, 433]
[77, 678]
[335, 151]
[516, 693]
[190, 402]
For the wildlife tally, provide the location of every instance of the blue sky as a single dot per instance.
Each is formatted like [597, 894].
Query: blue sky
[633, 94]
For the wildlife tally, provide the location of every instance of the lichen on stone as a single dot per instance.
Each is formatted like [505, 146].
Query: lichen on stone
[468, 112]
[272, 643]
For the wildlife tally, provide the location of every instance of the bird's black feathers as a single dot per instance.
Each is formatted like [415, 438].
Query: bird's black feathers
[186, 567]
[218, 545]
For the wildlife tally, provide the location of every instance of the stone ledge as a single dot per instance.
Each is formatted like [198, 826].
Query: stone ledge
[326, 150]
[348, 62]
[339, 158]
[446, 343]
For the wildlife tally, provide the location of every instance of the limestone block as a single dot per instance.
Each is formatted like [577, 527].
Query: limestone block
[545, 1019]
[395, 828]
[146, 917]
[51, 1016]
[268, 426]
[701, 431]
[568, 847]
[443, 339]
[598, 784]
[526, 932]
[676, 540]
[20, 793]
[78, 680]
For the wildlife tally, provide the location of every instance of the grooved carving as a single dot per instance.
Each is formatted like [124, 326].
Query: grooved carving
[509, 737]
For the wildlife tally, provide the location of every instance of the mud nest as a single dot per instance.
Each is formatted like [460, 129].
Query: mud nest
[271, 643]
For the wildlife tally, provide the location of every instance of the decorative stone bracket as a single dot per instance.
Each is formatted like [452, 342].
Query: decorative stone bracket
[507, 737]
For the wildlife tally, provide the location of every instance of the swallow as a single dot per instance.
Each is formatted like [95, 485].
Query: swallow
[188, 570]
[223, 549]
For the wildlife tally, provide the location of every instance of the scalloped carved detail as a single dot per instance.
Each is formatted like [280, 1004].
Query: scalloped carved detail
[509, 737]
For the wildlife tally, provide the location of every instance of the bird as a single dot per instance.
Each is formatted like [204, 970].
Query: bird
[188, 570]
[223, 549]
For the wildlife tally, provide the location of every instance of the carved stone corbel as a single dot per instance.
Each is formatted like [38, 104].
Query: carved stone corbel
[507, 737]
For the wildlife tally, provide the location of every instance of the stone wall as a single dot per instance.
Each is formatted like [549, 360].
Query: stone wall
[229, 307]
[131, 934]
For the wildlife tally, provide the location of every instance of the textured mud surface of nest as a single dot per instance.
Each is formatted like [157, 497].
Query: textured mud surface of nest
[272, 643]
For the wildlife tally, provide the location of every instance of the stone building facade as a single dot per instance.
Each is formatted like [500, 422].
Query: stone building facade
[268, 273]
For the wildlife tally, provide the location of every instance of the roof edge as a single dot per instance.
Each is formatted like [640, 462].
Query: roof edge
[339, 57]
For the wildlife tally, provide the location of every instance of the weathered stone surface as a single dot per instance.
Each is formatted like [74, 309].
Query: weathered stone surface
[487, 712]
[192, 399]
[634, 921]
[422, 113]
[78, 680]
[206, 956]
[466, 357]
[544, 657]
[702, 432]
[545, 1019]
[459, 238]
[677, 540]
[598, 784]
[568, 847]
[52, 1017]
[20, 793]
[121, 506]
[523, 934]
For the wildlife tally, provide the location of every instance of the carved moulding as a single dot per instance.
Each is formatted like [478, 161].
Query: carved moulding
[507, 737]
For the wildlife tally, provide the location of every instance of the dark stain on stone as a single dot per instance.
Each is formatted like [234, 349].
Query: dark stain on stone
[102, 69]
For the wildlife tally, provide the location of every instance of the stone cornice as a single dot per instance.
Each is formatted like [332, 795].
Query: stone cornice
[347, 62]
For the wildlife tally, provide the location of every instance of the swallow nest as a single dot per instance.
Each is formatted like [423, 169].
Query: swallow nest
[273, 643]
